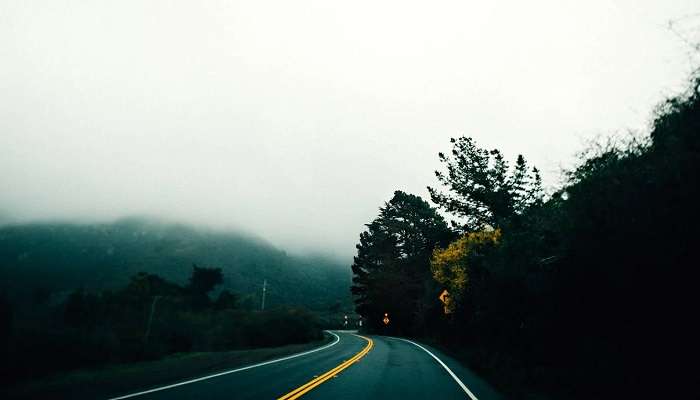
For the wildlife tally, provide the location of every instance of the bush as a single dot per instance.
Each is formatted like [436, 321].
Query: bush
[91, 328]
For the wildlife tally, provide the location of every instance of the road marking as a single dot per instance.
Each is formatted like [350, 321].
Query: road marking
[449, 371]
[337, 339]
[333, 373]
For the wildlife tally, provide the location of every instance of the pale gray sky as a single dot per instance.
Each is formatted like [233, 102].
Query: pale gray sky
[297, 119]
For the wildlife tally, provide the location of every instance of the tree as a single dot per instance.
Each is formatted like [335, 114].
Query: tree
[81, 309]
[146, 285]
[226, 300]
[452, 266]
[481, 188]
[391, 266]
[203, 280]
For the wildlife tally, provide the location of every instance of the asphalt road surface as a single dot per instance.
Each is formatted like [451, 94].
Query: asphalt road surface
[350, 367]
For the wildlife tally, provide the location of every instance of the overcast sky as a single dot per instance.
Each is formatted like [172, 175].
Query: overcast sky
[295, 120]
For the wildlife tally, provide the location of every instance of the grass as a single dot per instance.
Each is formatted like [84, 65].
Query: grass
[115, 380]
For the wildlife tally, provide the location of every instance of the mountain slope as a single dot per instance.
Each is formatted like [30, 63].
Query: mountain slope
[60, 257]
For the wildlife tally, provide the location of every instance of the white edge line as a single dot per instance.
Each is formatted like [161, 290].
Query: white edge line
[337, 339]
[449, 371]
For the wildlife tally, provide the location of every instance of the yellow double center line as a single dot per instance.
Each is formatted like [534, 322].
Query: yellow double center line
[301, 390]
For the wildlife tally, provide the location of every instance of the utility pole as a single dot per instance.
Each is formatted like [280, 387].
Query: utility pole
[263, 296]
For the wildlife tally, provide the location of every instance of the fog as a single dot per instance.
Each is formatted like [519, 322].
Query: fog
[296, 120]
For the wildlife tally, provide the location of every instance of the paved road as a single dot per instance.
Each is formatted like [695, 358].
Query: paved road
[385, 368]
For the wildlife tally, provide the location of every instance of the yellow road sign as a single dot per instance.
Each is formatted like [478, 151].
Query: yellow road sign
[386, 319]
[446, 300]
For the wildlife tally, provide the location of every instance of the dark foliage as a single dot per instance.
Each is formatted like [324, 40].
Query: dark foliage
[390, 274]
[482, 189]
[591, 294]
[203, 280]
[148, 318]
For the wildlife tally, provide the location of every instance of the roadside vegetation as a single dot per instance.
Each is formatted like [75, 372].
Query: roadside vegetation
[147, 319]
[586, 292]
[113, 380]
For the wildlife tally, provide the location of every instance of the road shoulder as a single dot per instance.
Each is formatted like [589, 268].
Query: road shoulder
[479, 388]
[106, 382]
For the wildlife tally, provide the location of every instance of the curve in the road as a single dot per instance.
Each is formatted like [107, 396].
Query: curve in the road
[449, 371]
[301, 390]
[337, 339]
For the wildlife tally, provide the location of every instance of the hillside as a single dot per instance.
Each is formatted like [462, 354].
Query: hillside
[60, 257]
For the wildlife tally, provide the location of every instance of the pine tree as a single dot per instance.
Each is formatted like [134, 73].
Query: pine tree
[392, 262]
[481, 188]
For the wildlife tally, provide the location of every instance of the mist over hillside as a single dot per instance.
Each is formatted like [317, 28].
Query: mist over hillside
[60, 257]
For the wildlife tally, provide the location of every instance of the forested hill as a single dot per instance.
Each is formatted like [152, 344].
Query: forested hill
[60, 257]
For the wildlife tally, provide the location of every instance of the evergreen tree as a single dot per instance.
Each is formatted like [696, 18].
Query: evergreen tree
[203, 280]
[481, 189]
[392, 263]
